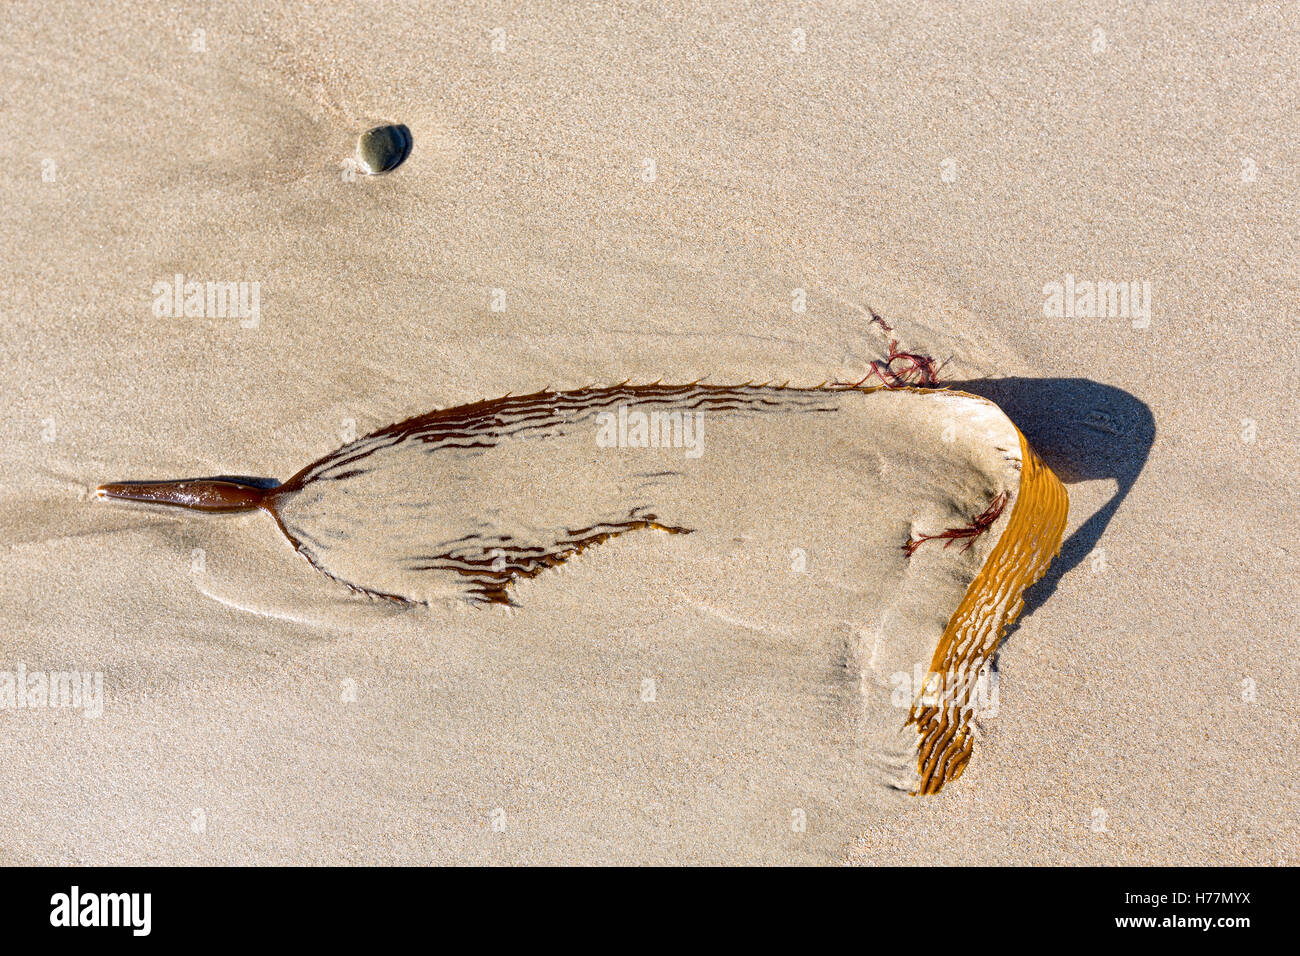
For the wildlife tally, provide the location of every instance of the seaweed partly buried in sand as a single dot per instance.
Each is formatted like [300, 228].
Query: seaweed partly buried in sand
[463, 502]
[1029, 542]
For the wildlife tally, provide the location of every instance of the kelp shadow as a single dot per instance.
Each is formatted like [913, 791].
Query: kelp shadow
[1084, 431]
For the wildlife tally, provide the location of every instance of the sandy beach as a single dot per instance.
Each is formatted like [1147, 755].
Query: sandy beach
[1085, 215]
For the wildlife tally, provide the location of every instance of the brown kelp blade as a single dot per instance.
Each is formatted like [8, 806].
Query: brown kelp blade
[994, 600]
[463, 502]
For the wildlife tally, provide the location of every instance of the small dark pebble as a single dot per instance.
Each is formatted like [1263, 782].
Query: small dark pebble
[383, 148]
